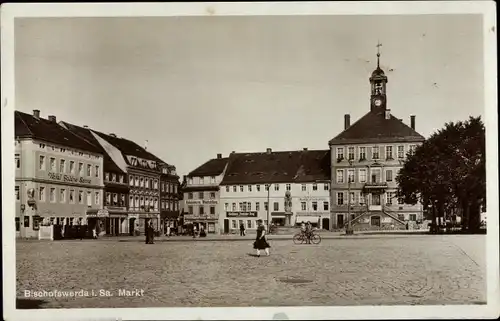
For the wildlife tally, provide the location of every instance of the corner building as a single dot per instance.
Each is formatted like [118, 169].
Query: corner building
[365, 160]
[59, 176]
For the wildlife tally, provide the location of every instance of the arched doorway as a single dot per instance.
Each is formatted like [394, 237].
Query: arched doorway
[375, 221]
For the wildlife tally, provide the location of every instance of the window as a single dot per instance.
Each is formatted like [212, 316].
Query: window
[62, 195]
[190, 181]
[72, 167]
[257, 206]
[390, 196]
[288, 187]
[413, 148]
[233, 222]
[80, 169]
[241, 188]
[106, 176]
[388, 152]
[315, 187]
[249, 206]
[53, 164]
[227, 189]
[243, 206]
[350, 175]
[131, 202]
[17, 193]
[72, 196]
[340, 176]
[276, 206]
[97, 199]
[89, 170]
[401, 151]
[190, 209]
[258, 188]
[303, 206]
[362, 199]
[249, 188]
[18, 224]
[89, 198]
[200, 195]
[340, 198]
[96, 170]
[401, 217]
[352, 198]
[212, 195]
[212, 180]
[52, 195]
[234, 207]
[42, 162]
[340, 153]
[202, 210]
[121, 178]
[326, 187]
[146, 182]
[226, 207]
[401, 200]
[141, 180]
[325, 206]
[375, 152]
[362, 175]
[362, 153]
[413, 217]
[351, 153]
[113, 177]
[156, 184]
[304, 187]
[212, 210]
[375, 175]
[267, 187]
[276, 187]
[388, 175]
[17, 161]
[190, 196]
[80, 197]
[266, 206]
[234, 189]
[202, 181]
[249, 224]
[315, 206]
[131, 180]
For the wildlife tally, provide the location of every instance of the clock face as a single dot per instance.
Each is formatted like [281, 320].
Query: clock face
[378, 102]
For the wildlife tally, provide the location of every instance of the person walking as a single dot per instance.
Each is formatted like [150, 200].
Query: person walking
[152, 233]
[261, 241]
[242, 229]
[146, 231]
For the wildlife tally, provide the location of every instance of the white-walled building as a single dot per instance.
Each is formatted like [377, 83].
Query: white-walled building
[259, 186]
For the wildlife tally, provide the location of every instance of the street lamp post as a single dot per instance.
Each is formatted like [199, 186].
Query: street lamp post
[349, 230]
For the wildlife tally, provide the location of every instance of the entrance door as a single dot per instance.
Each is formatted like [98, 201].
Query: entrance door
[326, 223]
[131, 226]
[226, 226]
[375, 199]
[340, 220]
[117, 226]
[375, 220]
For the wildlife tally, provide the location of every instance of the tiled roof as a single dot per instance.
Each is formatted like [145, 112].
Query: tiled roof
[373, 128]
[84, 133]
[128, 147]
[28, 126]
[213, 167]
[278, 167]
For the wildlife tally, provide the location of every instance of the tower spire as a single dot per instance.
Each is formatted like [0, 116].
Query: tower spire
[378, 53]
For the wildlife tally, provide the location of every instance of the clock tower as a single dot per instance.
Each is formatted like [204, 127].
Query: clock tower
[378, 81]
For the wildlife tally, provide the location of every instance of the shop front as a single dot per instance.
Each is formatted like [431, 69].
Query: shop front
[98, 220]
[144, 219]
[320, 220]
[116, 222]
[281, 219]
[207, 222]
[169, 220]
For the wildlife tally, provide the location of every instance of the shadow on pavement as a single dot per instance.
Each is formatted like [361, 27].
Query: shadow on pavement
[29, 304]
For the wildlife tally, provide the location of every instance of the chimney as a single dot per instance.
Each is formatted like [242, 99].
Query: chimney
[219, 156]
[112, 134]
[412, 122]
[146, 145]
[347, 121]
[387, 114]
[233, 152]
[305, 149]
[53, 118]
[36, 113]
[269, 150]
[85, 126]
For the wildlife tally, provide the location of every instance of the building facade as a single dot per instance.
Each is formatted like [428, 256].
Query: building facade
[285, 188]
[169, 197]
[365, 160]
[59, 176]
[201, 195]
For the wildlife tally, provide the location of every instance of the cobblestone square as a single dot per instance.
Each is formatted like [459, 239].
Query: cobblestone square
[381, 270]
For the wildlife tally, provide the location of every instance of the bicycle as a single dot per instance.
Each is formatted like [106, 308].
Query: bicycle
[301, 238]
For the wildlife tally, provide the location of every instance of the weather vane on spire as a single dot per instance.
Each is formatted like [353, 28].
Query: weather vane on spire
[378, 53]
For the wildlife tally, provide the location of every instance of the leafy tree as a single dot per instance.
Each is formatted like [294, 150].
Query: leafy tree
[448, 172]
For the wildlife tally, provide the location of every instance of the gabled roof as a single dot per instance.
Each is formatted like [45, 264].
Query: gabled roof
[374, 128]
[85, 133]
[28, 126]
[213, 167]
[128, 147]
[278, 167]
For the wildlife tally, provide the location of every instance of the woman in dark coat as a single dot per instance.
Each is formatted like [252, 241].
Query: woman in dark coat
[261, 242]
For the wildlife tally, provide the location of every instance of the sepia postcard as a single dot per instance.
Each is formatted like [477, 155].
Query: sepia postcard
[250, 161]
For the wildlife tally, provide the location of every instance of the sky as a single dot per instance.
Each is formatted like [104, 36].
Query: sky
[198, 86]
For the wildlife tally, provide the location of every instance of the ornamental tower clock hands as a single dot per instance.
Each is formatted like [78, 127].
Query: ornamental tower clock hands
[378, 82]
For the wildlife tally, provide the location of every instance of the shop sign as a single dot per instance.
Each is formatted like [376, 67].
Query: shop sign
[314, 199]
[99, 213]
[210, 202]
[241, 214]
[312, 213]
[191, 202]
[68, 178]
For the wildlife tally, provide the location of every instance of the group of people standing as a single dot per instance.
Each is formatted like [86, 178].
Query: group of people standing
[150, 233]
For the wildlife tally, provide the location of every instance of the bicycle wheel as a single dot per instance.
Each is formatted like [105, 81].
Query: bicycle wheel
[316, 239]
[298, 239]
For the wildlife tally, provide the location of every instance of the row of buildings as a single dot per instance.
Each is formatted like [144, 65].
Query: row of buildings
[72, 175]
[355, 179]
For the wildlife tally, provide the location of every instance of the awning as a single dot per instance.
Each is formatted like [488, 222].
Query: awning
[306, 219]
